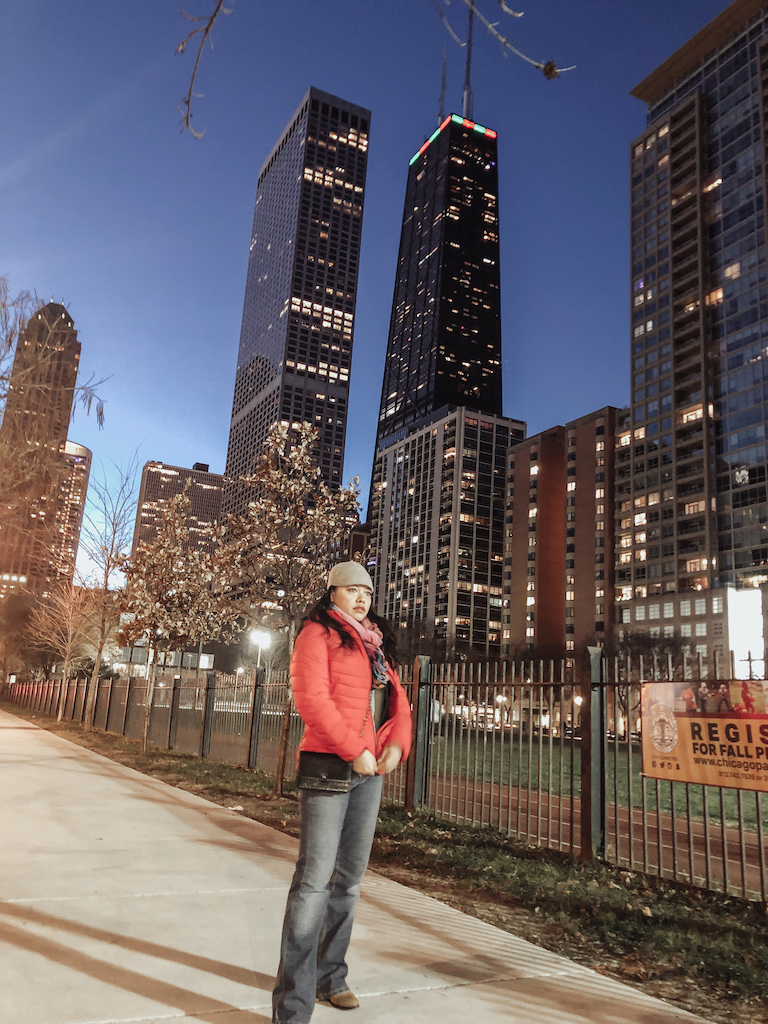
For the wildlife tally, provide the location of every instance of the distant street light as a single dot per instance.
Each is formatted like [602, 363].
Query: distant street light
[263, 641]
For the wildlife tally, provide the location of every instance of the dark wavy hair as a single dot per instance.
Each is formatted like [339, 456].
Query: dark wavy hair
[320, 612]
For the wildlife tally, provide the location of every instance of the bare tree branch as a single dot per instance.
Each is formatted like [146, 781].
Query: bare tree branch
[204, 31]
[548, 67]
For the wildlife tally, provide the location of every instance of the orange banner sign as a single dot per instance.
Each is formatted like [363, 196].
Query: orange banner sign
[713, 734]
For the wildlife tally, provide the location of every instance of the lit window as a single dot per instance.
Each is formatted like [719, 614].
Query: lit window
[641, 519]
[571, 485]
[639, 614]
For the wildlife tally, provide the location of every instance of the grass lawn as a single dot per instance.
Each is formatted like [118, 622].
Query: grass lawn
[554, 763]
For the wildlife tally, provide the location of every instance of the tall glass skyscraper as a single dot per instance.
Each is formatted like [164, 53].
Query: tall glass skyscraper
[692, 470]
[298, 315]
[437, 492]
[444, 346]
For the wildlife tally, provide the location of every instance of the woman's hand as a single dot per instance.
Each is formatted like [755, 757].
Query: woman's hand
[365, 764]
[390, 758]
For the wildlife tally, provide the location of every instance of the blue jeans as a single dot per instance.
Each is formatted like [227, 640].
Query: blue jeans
[336, 837]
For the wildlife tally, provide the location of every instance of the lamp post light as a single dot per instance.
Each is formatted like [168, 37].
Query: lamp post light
[263, 641]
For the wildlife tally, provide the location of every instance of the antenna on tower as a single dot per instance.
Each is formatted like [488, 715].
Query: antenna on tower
[467, 106]
[441, 112]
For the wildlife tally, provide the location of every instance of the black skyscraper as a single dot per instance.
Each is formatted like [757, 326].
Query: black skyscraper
[444, 345]
[298, 314]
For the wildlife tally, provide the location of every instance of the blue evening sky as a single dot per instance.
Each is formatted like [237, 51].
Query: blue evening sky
[143, 232]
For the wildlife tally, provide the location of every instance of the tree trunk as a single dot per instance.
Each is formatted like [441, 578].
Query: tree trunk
[282, 752]
[148, 697]
[93, 689]
[285, 731]
[63, 691]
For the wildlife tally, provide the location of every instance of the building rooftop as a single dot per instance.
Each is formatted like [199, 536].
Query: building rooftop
[710, 38]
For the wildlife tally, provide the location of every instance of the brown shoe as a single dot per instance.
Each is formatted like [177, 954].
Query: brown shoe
[344, 1000]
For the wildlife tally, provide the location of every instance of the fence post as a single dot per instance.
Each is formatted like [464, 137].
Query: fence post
[173, 716]
[416, 776]
[257, 701]
[593, 740]
[210, 690]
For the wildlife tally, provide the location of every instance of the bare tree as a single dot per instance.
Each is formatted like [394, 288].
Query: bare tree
[59, 623]
[104, 540]
[14, 618]
[285, 541]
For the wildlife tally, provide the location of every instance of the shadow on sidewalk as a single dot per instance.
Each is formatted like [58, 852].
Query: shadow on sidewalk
[199, 1006]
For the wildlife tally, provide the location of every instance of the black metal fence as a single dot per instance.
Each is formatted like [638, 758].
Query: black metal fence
[512, 746]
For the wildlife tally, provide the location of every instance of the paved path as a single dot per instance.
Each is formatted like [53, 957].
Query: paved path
[125, 900]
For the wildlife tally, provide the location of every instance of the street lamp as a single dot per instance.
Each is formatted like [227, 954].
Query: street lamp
[263, 641]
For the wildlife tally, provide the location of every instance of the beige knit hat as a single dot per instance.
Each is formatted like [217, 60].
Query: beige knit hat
[349, 574]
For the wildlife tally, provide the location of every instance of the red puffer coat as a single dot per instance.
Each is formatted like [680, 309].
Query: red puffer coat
[332, 693]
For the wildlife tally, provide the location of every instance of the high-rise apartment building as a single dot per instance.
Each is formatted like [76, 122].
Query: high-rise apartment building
[559, 538]
[36, 532]
[692, 504]
[444, 346]
[437, 528]
[70, 507]
[160, 483]
[298, 315]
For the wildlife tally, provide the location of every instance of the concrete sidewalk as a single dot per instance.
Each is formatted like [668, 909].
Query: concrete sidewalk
[123, 900]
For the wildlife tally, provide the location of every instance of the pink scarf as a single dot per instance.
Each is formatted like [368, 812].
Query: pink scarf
[372, 639]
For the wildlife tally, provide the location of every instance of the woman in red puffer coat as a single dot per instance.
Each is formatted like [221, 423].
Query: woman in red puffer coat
[354, 708]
